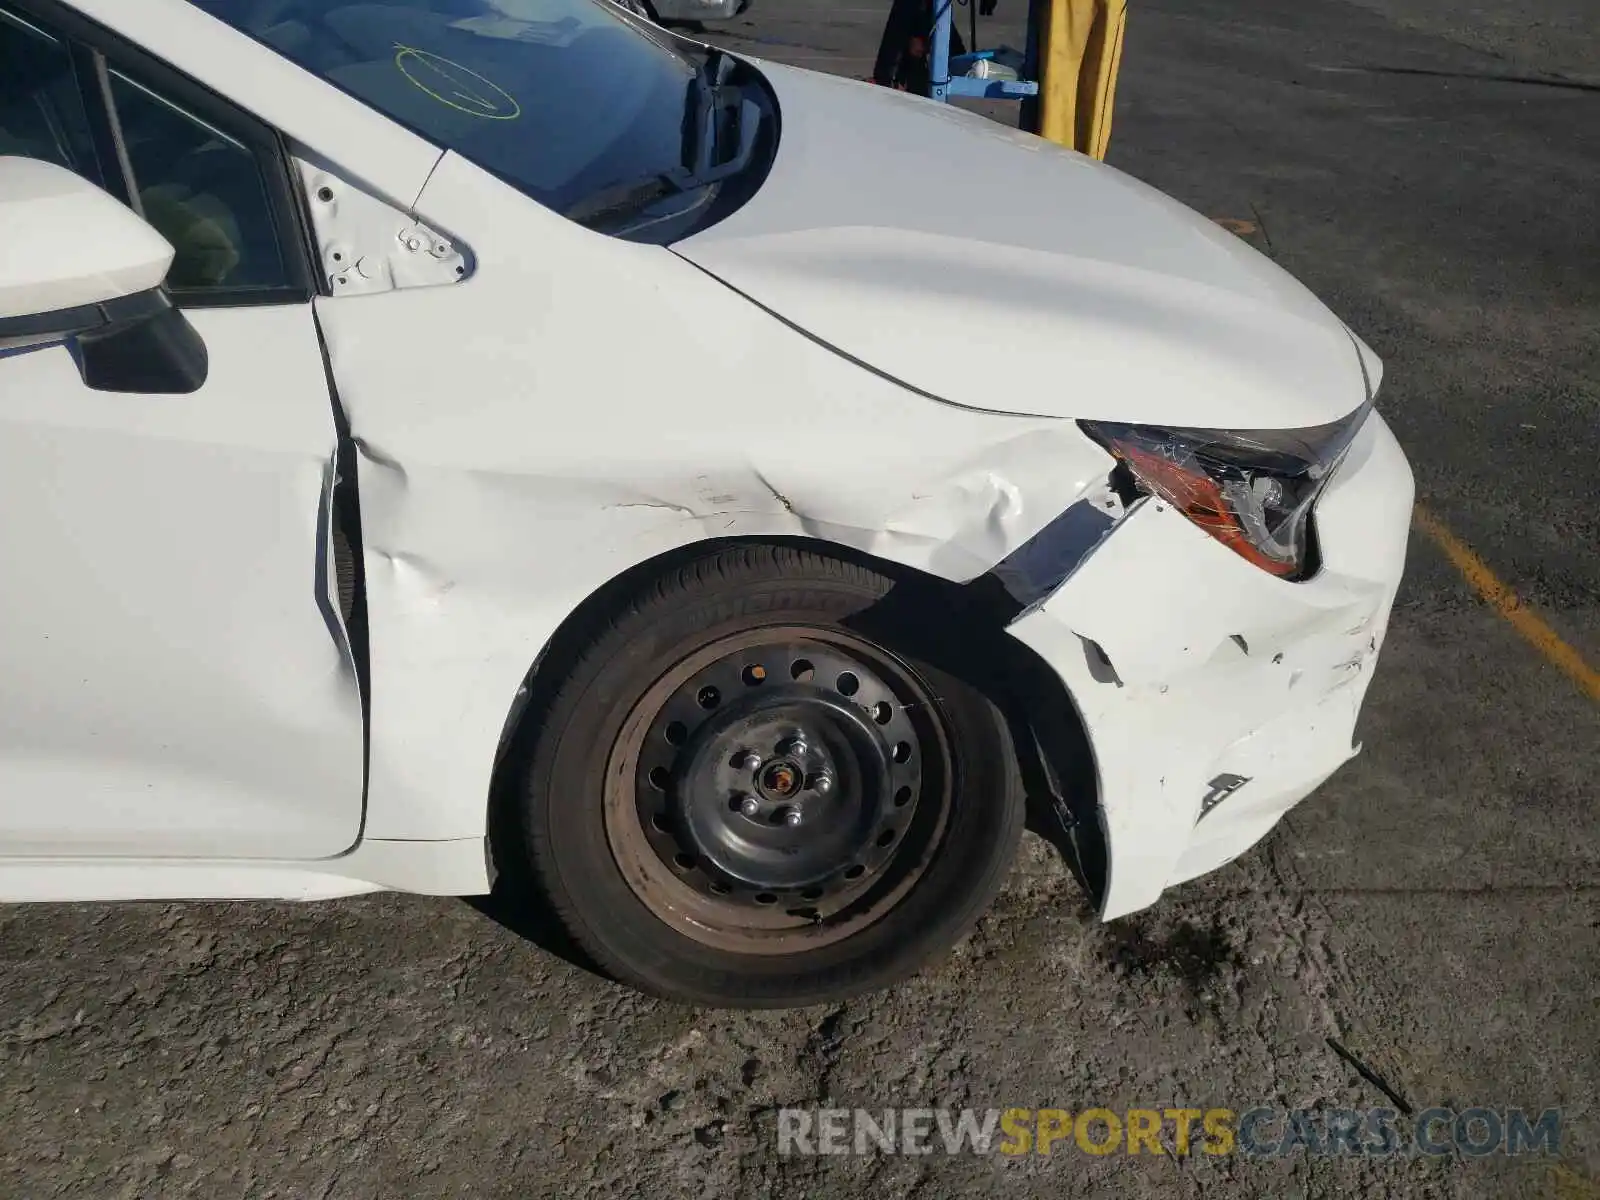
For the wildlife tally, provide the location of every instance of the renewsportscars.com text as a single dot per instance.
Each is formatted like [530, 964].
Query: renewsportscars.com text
[1260, 1132]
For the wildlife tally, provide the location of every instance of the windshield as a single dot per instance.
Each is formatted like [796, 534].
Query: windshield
[586, 110]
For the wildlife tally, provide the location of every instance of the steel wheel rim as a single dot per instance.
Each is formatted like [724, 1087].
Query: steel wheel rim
[753, 878]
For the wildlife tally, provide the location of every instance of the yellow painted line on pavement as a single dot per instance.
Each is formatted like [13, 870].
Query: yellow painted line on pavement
[1507, 604]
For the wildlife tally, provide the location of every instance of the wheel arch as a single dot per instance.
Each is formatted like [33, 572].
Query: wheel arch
[964, 623]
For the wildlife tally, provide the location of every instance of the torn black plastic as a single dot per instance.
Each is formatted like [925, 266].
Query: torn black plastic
[1032, 573]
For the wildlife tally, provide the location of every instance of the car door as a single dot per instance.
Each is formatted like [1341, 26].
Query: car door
[176, 678]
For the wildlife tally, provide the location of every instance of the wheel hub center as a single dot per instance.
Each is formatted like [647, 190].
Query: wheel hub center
[781, 779]
[782, 786]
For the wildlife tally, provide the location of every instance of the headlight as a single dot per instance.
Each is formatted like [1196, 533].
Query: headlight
[1252, 490]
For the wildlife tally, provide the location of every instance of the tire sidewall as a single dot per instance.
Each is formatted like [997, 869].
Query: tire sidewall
[572, 854]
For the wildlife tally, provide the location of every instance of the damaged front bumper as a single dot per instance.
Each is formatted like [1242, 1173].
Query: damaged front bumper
[1215, 697]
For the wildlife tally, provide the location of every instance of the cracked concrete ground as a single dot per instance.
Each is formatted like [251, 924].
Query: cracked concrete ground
[1434, 908]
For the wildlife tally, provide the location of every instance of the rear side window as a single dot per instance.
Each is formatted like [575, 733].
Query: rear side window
[202, 188]
[42, 113]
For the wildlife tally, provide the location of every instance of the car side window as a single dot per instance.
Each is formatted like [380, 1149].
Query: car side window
[203, 189]
[41, 101]
[210, 178]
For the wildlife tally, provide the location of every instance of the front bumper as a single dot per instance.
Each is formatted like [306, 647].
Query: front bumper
[1215, 696]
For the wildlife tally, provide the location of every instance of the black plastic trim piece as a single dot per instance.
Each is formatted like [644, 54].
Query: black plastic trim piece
[160, 355]
[83, 318]
[1032, 572]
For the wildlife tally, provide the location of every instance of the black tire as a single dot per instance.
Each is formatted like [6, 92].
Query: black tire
[580, 791]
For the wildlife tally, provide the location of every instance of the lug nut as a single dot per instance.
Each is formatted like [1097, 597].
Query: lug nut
[822, 784]
[797, 747]
[792, 817]
[750, 806]
[751, 761]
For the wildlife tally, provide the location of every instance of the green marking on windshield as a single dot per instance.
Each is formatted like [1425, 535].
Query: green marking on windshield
[456, 86]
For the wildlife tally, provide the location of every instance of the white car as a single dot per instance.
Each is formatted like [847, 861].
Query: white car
[476, 439]
[686, 11]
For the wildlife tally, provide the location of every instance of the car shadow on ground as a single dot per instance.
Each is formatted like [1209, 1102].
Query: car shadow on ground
[523, 912]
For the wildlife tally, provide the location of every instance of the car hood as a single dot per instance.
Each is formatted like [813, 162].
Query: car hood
[990, 268]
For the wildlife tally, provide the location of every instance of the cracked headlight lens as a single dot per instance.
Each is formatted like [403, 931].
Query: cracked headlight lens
[1252, 490]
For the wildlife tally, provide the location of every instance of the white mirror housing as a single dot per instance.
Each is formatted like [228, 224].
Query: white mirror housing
[69, 244]
[82, 270]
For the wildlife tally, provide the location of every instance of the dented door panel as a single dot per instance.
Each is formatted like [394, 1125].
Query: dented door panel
[174, 676]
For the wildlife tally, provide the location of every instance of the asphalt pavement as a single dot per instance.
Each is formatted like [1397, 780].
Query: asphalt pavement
[1432, 169]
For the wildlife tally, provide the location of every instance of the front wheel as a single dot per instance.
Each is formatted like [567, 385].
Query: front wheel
[737, 798]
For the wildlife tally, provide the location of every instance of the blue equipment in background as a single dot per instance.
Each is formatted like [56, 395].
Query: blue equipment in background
[1012, 79]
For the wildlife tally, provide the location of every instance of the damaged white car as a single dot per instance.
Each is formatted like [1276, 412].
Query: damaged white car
[450, 440]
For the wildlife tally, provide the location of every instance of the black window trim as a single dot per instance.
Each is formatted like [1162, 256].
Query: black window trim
[95, 50]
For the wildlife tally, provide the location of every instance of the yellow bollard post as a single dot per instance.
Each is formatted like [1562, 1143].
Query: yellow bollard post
[1081, 53]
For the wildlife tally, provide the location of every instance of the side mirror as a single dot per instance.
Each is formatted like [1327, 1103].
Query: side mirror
[81, 268]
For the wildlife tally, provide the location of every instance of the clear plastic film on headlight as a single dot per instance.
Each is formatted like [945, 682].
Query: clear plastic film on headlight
[1252, 490]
